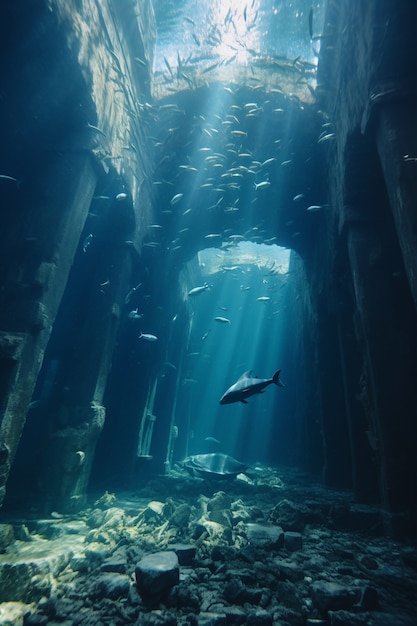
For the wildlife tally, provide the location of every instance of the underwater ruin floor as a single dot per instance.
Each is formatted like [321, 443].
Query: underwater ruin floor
[268, 547]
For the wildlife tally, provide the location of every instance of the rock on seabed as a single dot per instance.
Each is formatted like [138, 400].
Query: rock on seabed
[157, 573]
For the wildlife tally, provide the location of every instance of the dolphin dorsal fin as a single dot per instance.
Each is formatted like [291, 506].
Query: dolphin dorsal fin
[246, 374]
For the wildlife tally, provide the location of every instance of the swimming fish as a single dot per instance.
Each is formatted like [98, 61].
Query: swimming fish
[246, 386]
[222, 320]
[262, 185]
[196, 290]
[135, 315]
[176, 198]
[148, 337]
[6, 177]
[212, 440]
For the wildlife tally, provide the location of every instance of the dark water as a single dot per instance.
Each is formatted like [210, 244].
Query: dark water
[213, 146]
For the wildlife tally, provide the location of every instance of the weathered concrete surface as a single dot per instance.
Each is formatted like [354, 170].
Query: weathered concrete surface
[89, 126]
[361, 279]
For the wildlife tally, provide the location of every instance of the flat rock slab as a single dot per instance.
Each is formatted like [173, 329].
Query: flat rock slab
[28, 568]
[329, 596]
[157, 573]
[265, 536]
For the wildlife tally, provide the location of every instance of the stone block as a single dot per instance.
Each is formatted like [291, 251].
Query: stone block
[184, 551]
[293, 541]
[329, 596]
[157, 573]
[265, 536]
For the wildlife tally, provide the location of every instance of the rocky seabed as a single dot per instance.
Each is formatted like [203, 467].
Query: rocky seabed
[269, 549]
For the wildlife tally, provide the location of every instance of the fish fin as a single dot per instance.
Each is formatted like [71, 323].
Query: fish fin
[244, 401]
[276, 380]
[245, 374]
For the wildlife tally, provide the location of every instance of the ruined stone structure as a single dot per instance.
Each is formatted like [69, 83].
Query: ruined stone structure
[78, 115]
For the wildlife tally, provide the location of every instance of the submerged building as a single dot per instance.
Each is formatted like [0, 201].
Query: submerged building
[264, 152]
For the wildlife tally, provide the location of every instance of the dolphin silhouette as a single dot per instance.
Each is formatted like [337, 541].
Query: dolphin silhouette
[246, 386]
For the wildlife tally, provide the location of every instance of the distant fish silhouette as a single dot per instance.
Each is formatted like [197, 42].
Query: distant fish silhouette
[212, 440]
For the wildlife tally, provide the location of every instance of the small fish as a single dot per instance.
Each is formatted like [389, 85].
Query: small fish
[263, 299]
[176, 198]
[326, 137]
[97, 129]
[222, 320]
[313, 208]
[298, 197]
[247, 386]
[34, 404]
[11, 178]
[148, 337]
[206, 334]
[131, 292]
[197, 290]
[87, 242]
[212, 440]
[121, 196]
[135, 315]
[262, 185]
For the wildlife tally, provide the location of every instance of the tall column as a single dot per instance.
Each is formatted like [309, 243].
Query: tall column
[387, 331]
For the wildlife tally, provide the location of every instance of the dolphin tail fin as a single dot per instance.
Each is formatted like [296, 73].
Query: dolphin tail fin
[276, 380]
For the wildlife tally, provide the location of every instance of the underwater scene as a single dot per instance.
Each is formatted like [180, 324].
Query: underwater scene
[208, 296]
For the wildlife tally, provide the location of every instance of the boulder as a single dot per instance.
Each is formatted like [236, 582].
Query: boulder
[219, 502]
[13, 613]
[113, 586]
[6, 536]
[293, 541]
[330, 596]
[184, 551]
[290, 515]
[157, 573]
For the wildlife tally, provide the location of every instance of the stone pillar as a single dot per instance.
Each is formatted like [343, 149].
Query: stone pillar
[389, 383]
[33, 286]
[396, 136]
[337, 468]
[363, 458]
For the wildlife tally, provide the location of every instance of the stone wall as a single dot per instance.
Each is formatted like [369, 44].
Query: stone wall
[73, 116]
[361, 279]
